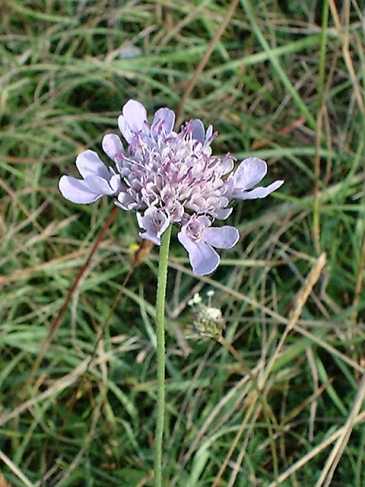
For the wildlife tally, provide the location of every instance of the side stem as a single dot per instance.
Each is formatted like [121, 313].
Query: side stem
[160, 335]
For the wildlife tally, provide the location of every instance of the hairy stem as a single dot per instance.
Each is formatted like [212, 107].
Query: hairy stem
[160, 335]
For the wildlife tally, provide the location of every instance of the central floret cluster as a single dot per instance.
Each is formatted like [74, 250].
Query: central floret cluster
[170, 177]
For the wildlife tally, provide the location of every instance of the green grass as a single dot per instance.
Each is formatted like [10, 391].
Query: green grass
[85, 417]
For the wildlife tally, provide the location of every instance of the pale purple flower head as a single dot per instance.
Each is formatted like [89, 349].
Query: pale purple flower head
[170, 177]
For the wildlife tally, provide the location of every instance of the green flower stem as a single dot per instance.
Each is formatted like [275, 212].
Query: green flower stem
[160, 335]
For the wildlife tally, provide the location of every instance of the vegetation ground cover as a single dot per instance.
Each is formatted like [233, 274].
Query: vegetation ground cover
[278, 399]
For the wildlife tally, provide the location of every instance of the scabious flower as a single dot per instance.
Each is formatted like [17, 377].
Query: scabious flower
[170, 177]
[208, 320]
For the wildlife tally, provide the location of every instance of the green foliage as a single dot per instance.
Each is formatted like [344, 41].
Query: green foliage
[86, 415]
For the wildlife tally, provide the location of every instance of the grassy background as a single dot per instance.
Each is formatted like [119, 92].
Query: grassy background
[285, 81]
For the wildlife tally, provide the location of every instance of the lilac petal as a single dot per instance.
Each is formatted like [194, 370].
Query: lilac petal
[99, 185]
[175, 210]
[115, 183]
[204, 220]
[223, 213]
[124, 128]
[203, 258]
[154, 222]
[76, 190]
[249, 173]
[197, 130]
[226, 165]
[113, 147]
[151, 237]
[209, 134]
[260, 192]
[135, 115]
[147, 235]
[224, 237]
[126, 202]
[89, 164]
[164, 118]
